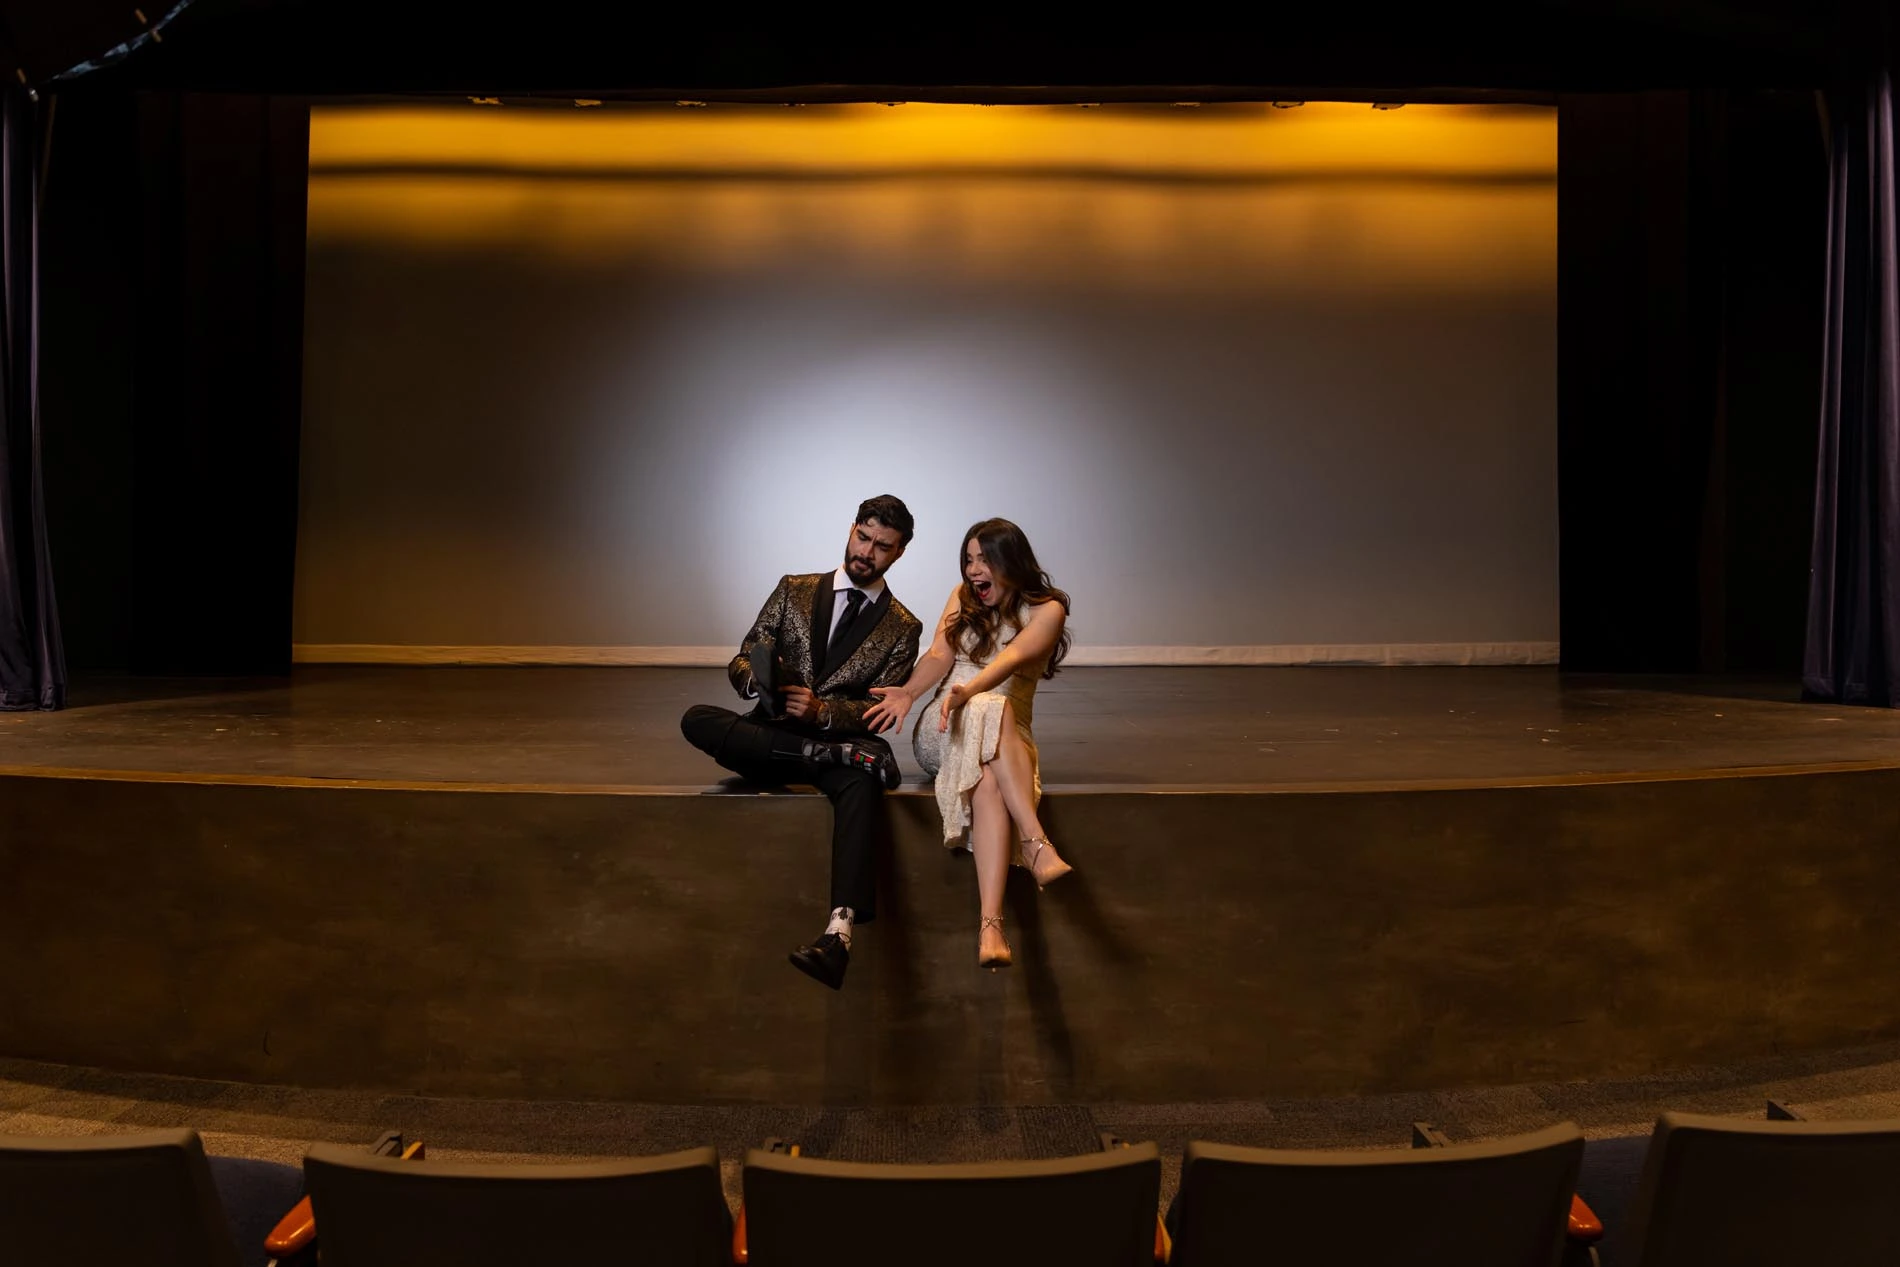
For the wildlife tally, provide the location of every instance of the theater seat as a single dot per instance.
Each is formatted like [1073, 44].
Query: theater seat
[112, 1200]
[380, 1211]
[1096, 1210]
[1730, 1190]
[1504, 1202]
[292, 1241]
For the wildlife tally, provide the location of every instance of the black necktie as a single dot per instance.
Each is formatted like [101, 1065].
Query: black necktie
[853, 603]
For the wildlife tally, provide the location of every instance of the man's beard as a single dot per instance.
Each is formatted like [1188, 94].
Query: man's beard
[870, 573]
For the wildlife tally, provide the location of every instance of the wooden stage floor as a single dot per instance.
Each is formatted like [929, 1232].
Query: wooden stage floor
[1290, 881]
[1200, 729]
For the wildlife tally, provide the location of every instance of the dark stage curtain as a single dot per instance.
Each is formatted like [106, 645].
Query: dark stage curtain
[217, 394]
[173, 262]
[1853, 644]
[1689, 309]
[32, 666]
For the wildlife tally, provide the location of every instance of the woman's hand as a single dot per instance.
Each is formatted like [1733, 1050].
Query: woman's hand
[892, 707]
[953, 699]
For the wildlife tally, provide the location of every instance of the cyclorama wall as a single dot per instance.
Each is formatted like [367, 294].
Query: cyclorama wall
[1261, 385]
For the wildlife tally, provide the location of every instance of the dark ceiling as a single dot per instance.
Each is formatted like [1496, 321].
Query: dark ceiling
[569, 48]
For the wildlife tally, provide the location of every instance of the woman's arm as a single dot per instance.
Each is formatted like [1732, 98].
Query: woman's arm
[1037, 639]
[894, 702]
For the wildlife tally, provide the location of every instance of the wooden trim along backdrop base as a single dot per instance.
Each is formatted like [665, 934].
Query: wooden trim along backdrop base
[1391, 653]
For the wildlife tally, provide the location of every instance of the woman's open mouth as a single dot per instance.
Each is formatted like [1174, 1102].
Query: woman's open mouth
[982, 588]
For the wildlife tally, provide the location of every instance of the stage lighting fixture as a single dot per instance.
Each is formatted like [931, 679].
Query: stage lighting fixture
[484, 101]
[1387, 105]
[584, 102]
[1287, 105]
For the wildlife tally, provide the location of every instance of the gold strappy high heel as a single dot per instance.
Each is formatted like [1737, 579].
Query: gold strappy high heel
[1042, 861]
[993, 962]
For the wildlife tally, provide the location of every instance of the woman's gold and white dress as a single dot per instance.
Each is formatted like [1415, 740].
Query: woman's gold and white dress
[956, 757]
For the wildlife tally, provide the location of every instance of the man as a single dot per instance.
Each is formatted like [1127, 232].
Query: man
[821, 642]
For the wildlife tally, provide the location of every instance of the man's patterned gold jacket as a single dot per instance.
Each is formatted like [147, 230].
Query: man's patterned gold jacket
[878, 649]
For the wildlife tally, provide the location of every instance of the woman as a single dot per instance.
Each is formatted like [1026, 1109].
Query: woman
[1006, 622]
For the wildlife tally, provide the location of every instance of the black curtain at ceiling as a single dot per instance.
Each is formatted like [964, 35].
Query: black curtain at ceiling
[32, 667]
[1853, 646]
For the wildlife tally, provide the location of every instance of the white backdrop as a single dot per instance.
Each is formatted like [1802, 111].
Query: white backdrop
[1244, 412]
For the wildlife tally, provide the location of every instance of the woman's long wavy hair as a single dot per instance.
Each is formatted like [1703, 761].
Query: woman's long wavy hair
[1013, 566]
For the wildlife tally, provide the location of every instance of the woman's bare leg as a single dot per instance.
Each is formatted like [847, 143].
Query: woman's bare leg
[1016, 779]
[991, 843]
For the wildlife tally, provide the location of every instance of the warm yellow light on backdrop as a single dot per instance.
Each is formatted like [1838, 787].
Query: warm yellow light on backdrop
[1324, 196]
[1254, 139]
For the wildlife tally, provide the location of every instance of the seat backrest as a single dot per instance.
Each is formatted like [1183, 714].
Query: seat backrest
[1726, 1190]
[1097, 1210]
[373, 1210]
[111, 1200]
[1501, 1202]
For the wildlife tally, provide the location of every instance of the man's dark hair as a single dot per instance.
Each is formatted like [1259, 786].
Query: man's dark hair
[890, 512]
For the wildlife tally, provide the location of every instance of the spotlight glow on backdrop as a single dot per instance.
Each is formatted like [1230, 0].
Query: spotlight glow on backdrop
[1260, 384]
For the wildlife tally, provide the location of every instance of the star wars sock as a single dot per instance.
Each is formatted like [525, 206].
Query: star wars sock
[841, 924]
[874, 761]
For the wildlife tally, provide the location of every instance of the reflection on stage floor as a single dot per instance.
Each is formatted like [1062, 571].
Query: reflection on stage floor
[1198, 728]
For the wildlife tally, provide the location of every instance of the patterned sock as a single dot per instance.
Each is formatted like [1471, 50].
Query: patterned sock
[863, 758]
[841, 924]
[875, 762]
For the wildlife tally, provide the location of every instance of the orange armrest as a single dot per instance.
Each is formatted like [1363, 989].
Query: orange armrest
[294, 1231]
[1584, 1227]
[740, 1254]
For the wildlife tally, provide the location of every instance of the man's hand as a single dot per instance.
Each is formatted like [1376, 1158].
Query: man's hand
[802, 704]
[762, 670]
[893, 705]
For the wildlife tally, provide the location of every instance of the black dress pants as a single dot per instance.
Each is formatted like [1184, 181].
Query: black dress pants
[767, 752]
